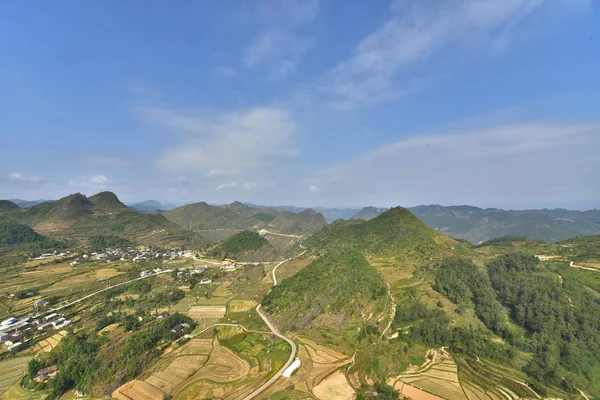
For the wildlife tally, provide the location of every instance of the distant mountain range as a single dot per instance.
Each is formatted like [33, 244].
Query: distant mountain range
[217, 222]
[462, 222]
[149, 206]
[27, 203]
[330, 214]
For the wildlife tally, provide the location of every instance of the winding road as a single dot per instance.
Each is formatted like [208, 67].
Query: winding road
[290, 360]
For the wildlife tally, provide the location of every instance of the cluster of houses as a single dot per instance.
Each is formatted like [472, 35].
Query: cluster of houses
[55, 253]
[130, 254]
[12, 330]
[228, 267]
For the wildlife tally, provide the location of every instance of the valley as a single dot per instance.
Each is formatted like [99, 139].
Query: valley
[385, 307]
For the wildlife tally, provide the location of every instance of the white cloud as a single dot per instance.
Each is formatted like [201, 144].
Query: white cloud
[313, 188]
[526, 163]
[417, 32]
[279, 52]
[229, 185]
[279, 46]
[181, 179]
[18, 176]
[90, 181]
[231, 144]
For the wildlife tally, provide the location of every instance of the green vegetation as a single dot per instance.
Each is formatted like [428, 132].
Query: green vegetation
[16, 236]
[80, 218]
[100, 242]
[341, 283]
[395, 232]
[237, 244]
[88, 363]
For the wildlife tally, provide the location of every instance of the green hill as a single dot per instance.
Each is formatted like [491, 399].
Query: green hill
[219, 222]
[79, 217]
[7, 205]
[14, 236]
[396, 232]
[245, 246]
[339, 289]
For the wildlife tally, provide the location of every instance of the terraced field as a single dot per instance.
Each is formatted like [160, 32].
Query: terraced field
[46, 345]
[11, 371]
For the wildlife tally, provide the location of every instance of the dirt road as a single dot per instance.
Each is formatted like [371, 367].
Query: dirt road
[103, 290]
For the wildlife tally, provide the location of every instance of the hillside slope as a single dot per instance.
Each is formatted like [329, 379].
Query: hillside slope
[219, 222]
[396, 232]
[79, 217]
[14, 236]
[246, 246]
[338, 290]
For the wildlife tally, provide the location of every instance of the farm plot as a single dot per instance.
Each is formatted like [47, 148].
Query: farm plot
[437, 378]
[46, 345]
[138, 390]
[485, 380]
[241, 305]
[334, 387]
[200, 312]
[11, 371]
[318, 362]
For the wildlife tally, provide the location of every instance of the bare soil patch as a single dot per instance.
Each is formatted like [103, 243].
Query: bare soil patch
[334, 387]
[199, 312]
[138, 390]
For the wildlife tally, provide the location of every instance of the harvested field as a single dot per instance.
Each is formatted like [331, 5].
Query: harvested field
[414, 393]
[138, 390]
[318, 362]
[437, 377]
[11, 371]
[46, 345]
[224, 366]
[241, 305]
[334, 387]
[199, 312]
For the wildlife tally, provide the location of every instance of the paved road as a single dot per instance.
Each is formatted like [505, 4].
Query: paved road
[274, 269]
[290, 360]
[103, 290]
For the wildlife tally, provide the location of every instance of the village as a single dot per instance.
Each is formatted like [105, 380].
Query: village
[16, 332]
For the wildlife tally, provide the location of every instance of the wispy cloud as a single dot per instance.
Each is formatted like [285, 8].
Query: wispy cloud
[382, 66]
[280, 45]
[498, 165]
[97, 180]
[19, 177]
[228, 144]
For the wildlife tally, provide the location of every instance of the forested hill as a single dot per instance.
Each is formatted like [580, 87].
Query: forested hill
[396, 232]
[245, 246]
[338, 289]
[14, 236]
[476, 224]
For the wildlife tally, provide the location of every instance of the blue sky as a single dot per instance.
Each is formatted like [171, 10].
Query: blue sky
[332, 103]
